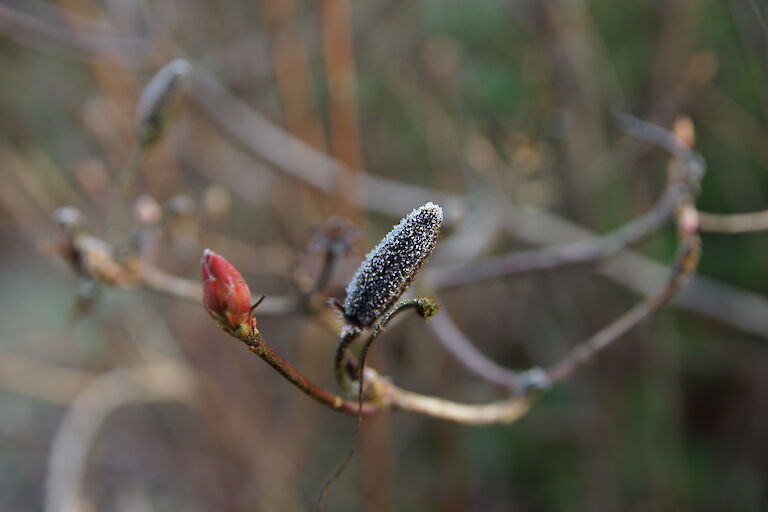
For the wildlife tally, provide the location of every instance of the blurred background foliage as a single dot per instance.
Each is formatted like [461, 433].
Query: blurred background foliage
[498, 101]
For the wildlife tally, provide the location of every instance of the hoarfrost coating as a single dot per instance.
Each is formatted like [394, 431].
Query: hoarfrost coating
[389, 268]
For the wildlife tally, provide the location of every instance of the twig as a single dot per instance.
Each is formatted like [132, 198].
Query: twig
[734, 223]
[259, 346]
[464, 352]
[683, 268]
[90, 408]
[341, 362]
[40, 380]
[257, 136]
[685, 264]
[94, 261]
[254, 134]
[590, 251]
[382, 394]
[344, 133]
[654, 134]
[159, 281]
[28, 29]
[570, 254]
[500, 412]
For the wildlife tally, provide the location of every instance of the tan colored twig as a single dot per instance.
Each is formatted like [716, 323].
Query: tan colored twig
[734, 223]
[466, 354]
[683, 268]
[93, 258]
[40, 380]
[90, 408]
[687, 219]
[502, 411]
[569, 254]
[28, 29]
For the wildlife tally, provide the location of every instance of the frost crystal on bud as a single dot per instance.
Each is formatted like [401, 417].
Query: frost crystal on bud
[225, 294]
[158, 99]
[389, 268]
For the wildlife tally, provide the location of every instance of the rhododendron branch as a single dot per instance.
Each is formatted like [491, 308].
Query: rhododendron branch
[258, 345]
[684, 266]
[564, 255]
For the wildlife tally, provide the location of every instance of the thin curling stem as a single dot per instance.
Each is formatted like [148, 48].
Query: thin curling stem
[349, 334]
[426, 308]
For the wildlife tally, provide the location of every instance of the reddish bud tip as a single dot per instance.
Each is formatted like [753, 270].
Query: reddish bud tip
[226, 296]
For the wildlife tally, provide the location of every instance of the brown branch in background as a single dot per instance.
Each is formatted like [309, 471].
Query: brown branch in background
[94, 260]
[678, 146]
[334, 239]
[41, 380]
[685, 264]
[159, 281]
[290, 66]
[157, 382]
[590, 251]
[465, 352]
[252, 133]
[734, 223]
[499, 412]
[565, 255]
[28, 29]
[683, 268]
[383, 394]
[681, 189]
[243, 126]
[256, 344]
[294, 82]
[341, 79]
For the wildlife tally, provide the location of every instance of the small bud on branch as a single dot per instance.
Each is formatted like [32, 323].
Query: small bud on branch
[389, 268]
[226, 296]
[157, 101]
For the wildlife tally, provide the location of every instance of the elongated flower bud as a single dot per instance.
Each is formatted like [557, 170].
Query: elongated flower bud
[389, 268]
[226, 296]
[157, 101]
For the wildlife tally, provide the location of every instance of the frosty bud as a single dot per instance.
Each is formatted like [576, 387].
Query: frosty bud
[157, 101]
[225, 294]
[389, 268]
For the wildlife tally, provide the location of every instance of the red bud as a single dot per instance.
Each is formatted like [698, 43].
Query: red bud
[226, 296]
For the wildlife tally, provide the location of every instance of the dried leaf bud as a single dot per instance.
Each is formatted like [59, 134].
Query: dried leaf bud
[389, 268]
[180, 206]
[69, 219]
[225, 294]
[157, 101]
[147, 211]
